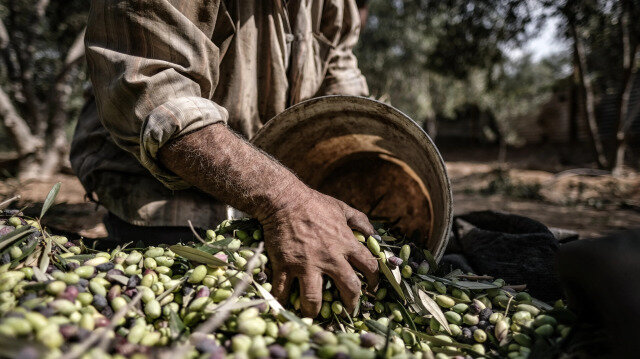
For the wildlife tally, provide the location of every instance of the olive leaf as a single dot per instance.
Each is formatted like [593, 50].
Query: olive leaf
[60, 262]
[82, 257]
[433, 264]
[339, 321]
[292, 317]
[388, 238]
[30, 248]
[387, 340]
[50, 198]
[377, 327]
[462, 284]
[271, 300]
[454, 274]
[433, 278]
[243, 305]
[175, 324]
[217, 246]
[475, 285]
[393, 277]
[406, 316]
[40, 276]
[118, 278]
[14, 235]
[356, 310]
[348, 316]
[198, 255]
[448, 352]
[408, 292]
[432, 307]
[437, 341]
[540, 304]
[36, 286]
[428, 278]
[32, 259]
[44, 259]
[172, 289]
[186, 299]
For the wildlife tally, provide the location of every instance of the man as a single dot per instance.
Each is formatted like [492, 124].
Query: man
[172, 80]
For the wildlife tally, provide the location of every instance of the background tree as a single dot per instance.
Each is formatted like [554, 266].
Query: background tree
[430, 57]
[41, 79]
[604, 35]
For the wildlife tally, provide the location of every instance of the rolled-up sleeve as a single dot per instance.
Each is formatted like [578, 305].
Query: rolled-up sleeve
[341, 24]
[154, 69]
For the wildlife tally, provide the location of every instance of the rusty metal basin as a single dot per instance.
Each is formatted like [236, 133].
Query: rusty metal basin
[371, 156]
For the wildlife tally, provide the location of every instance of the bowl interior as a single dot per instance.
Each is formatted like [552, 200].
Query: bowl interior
[369, 155]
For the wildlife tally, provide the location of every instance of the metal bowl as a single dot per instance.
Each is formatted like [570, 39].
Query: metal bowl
[371, 156]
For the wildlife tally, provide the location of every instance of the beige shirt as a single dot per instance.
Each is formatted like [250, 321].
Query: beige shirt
[163, 68]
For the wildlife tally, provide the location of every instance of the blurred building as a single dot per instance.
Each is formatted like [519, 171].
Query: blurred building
[560, 121]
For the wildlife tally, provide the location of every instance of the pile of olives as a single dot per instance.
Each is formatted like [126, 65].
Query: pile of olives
[59, 298]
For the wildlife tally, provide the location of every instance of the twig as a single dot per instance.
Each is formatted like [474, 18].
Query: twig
[100, 333]
[517, 288]
[506, 310]
[196, 233]
[475, 277]
[5, 204]
[214, 322]
[222, 311]
[172, 288]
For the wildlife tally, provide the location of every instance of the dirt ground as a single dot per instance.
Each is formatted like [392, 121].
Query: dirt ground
[590, 204]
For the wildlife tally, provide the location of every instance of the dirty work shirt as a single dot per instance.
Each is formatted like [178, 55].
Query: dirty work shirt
[164, 68]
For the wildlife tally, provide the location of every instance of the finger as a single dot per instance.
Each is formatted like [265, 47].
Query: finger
[362, 259]
[357, 220]
[310, 293]
[281, 285]
[347, 282]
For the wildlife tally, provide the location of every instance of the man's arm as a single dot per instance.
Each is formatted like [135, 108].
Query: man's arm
[307, 234]
[155, 69]
[343, 77]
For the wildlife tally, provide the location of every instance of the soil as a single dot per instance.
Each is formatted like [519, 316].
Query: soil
[592, 205]
[71, 212]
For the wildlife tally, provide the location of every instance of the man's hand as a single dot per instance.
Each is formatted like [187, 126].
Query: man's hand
[311, 237]
[307, 234]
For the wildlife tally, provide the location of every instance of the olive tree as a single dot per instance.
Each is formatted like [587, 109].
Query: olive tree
[41, 79]
[605, 37]
[426, 56]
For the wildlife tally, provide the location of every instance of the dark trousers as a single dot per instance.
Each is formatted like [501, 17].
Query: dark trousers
[121, 232]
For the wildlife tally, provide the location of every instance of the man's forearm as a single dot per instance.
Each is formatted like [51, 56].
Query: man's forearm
[307, 234]
[226, 166]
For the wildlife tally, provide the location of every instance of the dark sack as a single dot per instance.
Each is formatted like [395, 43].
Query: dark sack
[518, 249]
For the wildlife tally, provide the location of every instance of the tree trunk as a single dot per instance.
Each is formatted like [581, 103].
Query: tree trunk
[574, 113]
[628, 76]
[24, 51]
[57, 145]
[26, 143]
[623, 127]
[588, 97]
